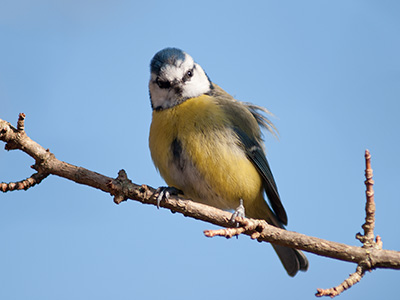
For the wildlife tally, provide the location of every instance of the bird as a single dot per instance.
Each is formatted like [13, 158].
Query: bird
[208, 146]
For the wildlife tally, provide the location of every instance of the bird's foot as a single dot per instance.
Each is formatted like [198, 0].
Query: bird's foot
[239, 212]
[164, 192]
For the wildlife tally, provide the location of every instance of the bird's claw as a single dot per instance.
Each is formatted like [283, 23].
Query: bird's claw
[239, 212]
[164, 192]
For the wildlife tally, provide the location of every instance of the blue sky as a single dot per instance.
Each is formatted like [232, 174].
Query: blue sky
[328, 70]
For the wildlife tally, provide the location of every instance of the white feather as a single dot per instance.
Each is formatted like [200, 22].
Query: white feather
[196, 86]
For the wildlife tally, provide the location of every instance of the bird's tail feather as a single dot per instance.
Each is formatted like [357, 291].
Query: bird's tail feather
[292, 260]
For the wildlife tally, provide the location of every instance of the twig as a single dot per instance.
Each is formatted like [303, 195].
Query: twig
[230, 232]
[11, 136]
[25, 184]
[367, 238]
[349, 282]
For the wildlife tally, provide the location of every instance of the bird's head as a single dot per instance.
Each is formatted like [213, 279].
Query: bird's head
[175, 77]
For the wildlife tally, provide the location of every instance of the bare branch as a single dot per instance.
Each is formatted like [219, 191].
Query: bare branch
[262, 231]
[367, 238]
[23, 184]
[348, 283]
[366, 257]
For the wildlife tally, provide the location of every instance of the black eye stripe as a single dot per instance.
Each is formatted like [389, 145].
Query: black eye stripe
[163, 84]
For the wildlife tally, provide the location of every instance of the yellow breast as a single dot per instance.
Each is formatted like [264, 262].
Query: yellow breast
[217, 162]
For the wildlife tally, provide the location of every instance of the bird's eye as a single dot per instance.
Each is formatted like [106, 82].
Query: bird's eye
[163, 84]
[188, 75]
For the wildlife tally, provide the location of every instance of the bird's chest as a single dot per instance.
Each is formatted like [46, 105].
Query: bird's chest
[188, 145]
[186, 136]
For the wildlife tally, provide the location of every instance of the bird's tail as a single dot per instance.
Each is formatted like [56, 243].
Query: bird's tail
[292, 260]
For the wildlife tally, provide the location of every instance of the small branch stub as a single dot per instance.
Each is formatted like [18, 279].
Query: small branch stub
[21, 122]
[120, 186]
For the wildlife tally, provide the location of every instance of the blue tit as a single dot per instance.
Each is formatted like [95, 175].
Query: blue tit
[208, 145]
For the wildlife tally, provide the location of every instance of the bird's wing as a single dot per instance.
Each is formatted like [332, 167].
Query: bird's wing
[246, 119]
[256, 154]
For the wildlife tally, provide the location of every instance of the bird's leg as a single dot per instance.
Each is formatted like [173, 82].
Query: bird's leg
[239, 212]
[164, 192]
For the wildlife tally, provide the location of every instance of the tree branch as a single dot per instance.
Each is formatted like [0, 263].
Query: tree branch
[366, 257]
[23, 184]
[348, 283]
[367, 238]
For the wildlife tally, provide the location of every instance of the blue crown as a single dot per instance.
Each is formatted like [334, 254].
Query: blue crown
[167, 56]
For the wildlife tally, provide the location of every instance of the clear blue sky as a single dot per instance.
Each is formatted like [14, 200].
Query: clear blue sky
[329, 71]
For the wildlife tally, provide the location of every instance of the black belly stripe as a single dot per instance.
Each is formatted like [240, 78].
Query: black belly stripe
[176, 148]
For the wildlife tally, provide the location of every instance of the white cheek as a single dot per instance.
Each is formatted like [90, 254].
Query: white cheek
[158, 96]
[198, 85]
